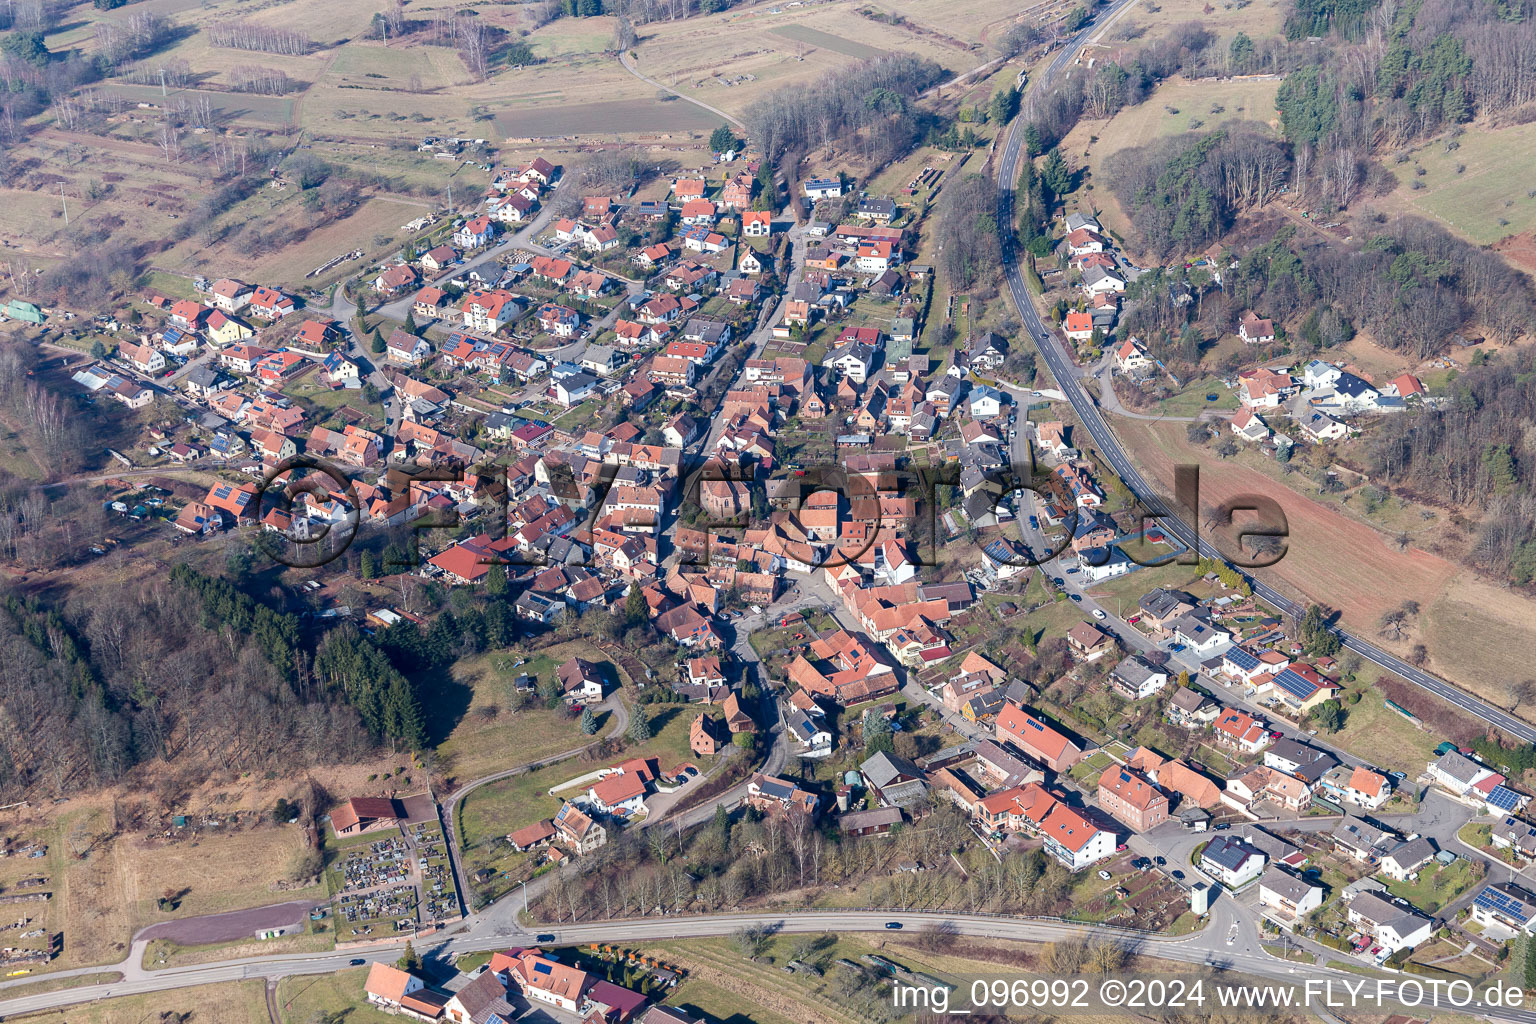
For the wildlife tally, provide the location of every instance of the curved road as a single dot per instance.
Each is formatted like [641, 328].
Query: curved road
[1064, 370]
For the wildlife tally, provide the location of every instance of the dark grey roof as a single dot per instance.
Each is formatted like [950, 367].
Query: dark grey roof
[1229, 853]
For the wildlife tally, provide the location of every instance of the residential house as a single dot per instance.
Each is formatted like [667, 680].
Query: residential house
[704, 736]
[771, 794]
[756, 223]
[1191, 709]
[1285, 898]
[1402, 862]
[1132, 798]
[1249, 426]
[1135, 679]
[1131, 357]
[1255, 331]
[395, 279]
[1392, 923]
[1505, 910]
[1232, 861]
[405, 348]
[474, 233]
[269, 304]
[227, 330]
[1077, 326]
[1240, 731]
[1035, 738]
[1089, 642]
[578, 830]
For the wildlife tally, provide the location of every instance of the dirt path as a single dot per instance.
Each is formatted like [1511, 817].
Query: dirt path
[630, 67]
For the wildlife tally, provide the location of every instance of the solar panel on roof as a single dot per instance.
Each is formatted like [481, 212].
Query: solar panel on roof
[1242, 659]
[1502, 902]
[1294, 684]
[1503, 798]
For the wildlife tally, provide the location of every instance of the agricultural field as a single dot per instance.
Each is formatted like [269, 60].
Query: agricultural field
[617, 117]
[1476, 632]
[732, 59]
[1477, 184]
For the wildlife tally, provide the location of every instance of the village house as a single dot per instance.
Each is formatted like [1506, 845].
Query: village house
[1132, 799]
[1035, 738]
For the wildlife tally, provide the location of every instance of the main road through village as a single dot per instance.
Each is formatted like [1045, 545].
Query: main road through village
[1063, 369]
[1229, 940]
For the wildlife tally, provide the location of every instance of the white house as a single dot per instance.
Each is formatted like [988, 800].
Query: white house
[1318, 374]
[1393, 923]
[1074, 840]
[1505, 910]
[811, 736]
[1232, 861]
[1099, 281]
[1249, 426]
[1137, 679]
[1284, 897]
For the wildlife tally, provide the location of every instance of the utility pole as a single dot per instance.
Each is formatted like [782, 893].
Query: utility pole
[162, 81]
[65, 202]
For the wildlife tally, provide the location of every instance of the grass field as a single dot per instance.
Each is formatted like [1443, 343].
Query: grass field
[161, 954]
[1480, 189]
[476, 744]
[828, 41]
[1393, 742]
[1436, 885]
[304, 998]
[241, 108]
[500, 807]
[1175, 106]
[249, 862]
[287, 266]
[1147, 20]
[233, 1002]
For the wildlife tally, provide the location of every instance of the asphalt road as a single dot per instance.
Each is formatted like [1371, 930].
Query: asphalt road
[1063, 369]
[1226, 943]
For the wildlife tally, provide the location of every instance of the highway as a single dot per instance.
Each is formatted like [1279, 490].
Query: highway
[1064, 370]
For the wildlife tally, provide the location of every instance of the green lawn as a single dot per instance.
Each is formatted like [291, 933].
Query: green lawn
[1389, 739]
[1088, 770]
[1437, 886]
[304, 998]
[702, 999]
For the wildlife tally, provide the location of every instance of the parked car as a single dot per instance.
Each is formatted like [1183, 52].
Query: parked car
[1178, 875]
[1105, 874]
[1098, 613]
